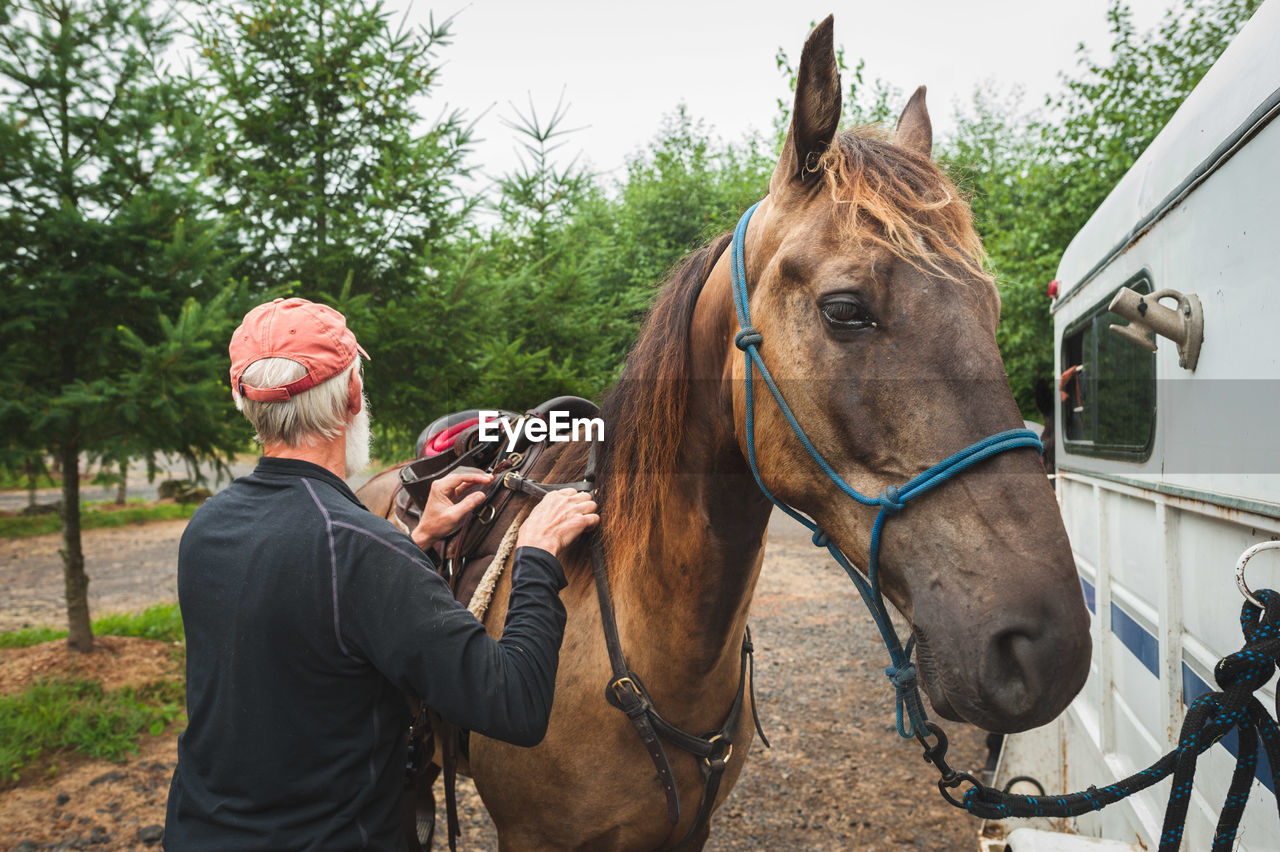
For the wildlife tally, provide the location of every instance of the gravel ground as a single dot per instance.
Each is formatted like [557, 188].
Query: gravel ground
[129, 568]
[837, 777]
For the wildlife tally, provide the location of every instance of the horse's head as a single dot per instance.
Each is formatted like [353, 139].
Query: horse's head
[879, 324]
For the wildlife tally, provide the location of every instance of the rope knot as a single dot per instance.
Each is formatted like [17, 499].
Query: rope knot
[890, 501]
[1254, 664]
[747, 337]
[903, 678]
[821, 539]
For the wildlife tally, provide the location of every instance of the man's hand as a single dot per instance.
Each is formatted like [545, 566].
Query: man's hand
[557, 520]
[444, 510]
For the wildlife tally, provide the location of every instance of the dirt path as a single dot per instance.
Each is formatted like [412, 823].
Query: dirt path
[129, 569]
[837, 777]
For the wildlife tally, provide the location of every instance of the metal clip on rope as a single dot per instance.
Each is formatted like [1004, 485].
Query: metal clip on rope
[1243, 561]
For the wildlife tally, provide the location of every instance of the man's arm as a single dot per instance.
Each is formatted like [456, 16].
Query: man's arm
[403, 617]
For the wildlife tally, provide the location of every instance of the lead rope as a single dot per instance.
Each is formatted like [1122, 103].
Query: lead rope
[1209, 718]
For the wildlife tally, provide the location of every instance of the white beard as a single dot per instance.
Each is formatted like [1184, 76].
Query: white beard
[359, 438]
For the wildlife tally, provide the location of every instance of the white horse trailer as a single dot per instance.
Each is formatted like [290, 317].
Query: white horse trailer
[1168, 464]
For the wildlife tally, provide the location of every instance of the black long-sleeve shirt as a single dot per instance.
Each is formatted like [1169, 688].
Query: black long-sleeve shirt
[309, 624]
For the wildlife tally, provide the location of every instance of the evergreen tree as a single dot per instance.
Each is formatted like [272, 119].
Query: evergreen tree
[331, 181]
[1036, 179]
[112, 276]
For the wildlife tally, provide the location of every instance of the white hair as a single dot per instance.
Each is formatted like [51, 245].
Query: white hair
[311, 417]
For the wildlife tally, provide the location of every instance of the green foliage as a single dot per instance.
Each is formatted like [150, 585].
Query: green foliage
[13, 480]
[294, 158]
[162, 622]
[112, 275]
[573, 266]
[81, 717]
[317, 147]
[103, 329]
[684, 190]
[335, 186]
[1036, 178]
[27, 637]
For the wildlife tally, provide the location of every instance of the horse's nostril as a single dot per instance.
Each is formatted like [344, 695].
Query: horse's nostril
[1030, 673]
[1011, 677]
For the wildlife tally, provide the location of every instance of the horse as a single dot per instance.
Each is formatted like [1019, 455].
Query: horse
[878, 320]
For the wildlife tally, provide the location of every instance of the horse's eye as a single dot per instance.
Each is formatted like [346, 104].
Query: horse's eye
[846, 312]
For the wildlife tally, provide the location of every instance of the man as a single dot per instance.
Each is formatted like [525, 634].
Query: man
[311, 623]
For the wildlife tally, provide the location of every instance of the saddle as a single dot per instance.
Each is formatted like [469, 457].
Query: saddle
[455, 443]
[451, 444]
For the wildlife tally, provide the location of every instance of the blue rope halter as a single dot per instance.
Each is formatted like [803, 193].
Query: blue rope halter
[911, 719]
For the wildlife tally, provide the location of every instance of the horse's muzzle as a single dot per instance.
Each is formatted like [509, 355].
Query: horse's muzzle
[1023, 672]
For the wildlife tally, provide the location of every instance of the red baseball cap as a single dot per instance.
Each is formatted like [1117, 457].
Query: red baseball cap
[316, 336]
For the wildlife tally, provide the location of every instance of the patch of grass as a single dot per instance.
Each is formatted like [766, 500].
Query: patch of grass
[31, 636]
[95, 516]
[162, 621]
[16, 481]
[78, 716]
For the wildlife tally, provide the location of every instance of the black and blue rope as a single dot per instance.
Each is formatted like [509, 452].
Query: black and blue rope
[1209, 718]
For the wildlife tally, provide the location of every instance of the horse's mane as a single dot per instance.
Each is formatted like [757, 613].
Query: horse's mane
[894, 198]
[901, 201]
[644, 409]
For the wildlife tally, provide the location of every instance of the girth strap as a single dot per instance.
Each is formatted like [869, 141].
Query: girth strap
[449, 749]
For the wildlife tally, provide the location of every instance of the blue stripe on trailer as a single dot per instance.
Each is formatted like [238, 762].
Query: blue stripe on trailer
[1090, 595]
[1192, 688]
[1136, 638]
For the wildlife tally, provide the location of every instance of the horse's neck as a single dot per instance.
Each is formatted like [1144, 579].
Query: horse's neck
[695, 579]
[695, 576]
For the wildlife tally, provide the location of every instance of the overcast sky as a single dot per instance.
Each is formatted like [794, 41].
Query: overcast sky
[622, 65]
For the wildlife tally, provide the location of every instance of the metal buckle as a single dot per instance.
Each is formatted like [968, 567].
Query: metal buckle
[619, 682]
[514, 459]
[482, 517]
[508, 476]
[953, 782]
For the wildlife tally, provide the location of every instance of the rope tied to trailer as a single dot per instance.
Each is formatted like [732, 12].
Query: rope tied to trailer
[1209, 718]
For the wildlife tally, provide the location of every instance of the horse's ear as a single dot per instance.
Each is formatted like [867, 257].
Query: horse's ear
[817, 111]
[915, 132]
[354, 399]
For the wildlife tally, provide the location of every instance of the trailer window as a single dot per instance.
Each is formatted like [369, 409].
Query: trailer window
[1107, 386]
